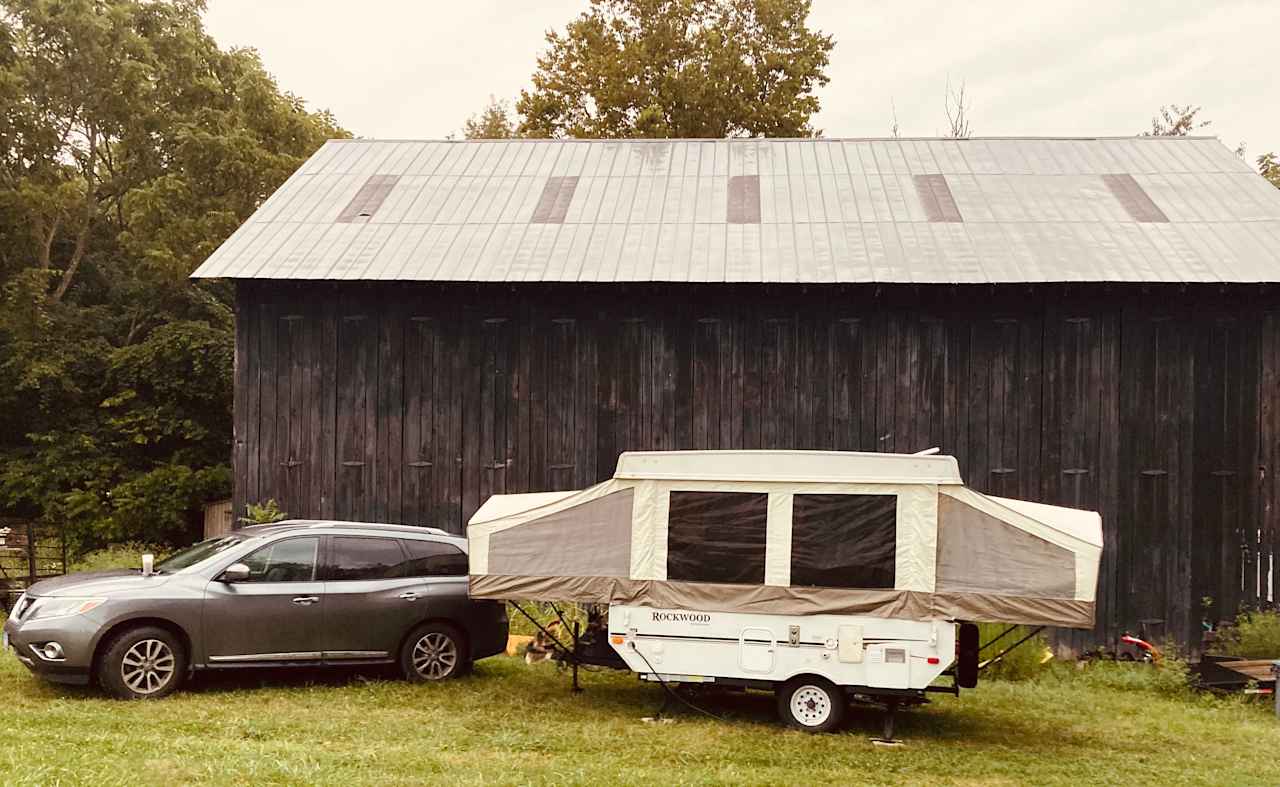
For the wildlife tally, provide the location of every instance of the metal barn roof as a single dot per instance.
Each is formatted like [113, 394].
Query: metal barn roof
[1131, 209]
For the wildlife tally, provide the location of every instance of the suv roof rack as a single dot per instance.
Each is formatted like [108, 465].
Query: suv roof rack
[329, 523]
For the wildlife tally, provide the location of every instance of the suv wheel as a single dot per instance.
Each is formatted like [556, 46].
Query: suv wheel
[811, 704]
[142, 663]
[434, 651]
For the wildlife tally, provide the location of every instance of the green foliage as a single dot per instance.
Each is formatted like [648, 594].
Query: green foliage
[1255, 634]
[494, 122]
[1176, 121]
[263, 513]
[130, 147]
[1269, 168]
[679, 68]
[126, 555]
[1023, 662]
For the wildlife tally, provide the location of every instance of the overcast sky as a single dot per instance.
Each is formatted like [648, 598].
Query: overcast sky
[414, 69]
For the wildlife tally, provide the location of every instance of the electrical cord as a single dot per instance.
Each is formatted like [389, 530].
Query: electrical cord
[670, 690]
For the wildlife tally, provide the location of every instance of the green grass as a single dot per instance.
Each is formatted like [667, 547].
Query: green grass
[511, 723]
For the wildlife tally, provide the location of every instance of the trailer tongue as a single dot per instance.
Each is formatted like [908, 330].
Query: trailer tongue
[813, 574]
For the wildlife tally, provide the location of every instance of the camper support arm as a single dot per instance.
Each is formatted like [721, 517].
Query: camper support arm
[543, 629]
[997, 638]
[1002, 653]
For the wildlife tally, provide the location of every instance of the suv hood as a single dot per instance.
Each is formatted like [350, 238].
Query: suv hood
[96, 583]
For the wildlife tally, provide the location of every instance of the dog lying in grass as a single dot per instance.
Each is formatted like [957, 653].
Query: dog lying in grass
[543, 647]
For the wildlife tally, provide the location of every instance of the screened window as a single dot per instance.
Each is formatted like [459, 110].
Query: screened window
[717, 537]
[435, 559]
[844, 541]
[366, 558]
[291, 560]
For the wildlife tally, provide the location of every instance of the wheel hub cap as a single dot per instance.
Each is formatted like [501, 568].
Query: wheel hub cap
[434, 656]
[811, 706]
[148, 666]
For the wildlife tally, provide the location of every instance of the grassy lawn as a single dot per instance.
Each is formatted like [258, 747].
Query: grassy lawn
[510, 723]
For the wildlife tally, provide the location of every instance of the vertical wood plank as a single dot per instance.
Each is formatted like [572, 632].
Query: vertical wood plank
[268, 377]
[244, 389]
[390, 467]
[329, 459]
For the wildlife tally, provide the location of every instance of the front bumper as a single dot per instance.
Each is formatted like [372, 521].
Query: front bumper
[76, 634]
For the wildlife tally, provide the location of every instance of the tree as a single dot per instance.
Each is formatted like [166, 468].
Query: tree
[1269, 168]
[493, 122]
[956, 106]
[130, 147]
[1180, 121]
[679, 68]
[1175, 121]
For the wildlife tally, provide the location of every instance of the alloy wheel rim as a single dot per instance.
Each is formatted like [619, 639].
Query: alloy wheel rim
[434, 655]
[811, 706]
[147, 666]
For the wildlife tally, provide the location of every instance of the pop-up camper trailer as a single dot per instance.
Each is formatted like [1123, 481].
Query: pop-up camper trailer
[815, 574]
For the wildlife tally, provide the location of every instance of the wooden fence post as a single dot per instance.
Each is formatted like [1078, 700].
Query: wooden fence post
[32, 567]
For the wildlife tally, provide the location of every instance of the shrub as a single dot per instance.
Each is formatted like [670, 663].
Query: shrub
[1025, 661]
[263, 513]
[1255, 634]
[128, 555]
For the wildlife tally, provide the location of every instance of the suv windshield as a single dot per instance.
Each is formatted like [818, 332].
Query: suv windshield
[198, 552]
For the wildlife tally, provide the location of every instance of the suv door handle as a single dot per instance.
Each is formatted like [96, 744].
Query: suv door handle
[409, 595]
[305, 600]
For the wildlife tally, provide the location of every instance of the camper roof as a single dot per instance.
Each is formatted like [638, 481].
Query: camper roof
[789, 466]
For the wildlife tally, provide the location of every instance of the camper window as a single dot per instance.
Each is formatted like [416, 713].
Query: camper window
[843, 541]
[717, 537]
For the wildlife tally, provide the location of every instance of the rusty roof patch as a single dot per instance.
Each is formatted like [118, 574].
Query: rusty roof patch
[1136, 202]
[368, 199]
[553, 205]
[935, 195]
[744, 199]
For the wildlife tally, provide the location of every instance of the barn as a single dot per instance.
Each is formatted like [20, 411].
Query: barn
[1084, 322]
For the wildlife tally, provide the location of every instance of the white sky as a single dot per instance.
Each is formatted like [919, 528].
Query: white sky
[417, 69]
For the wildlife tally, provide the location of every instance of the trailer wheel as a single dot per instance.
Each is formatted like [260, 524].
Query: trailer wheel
[811, 703]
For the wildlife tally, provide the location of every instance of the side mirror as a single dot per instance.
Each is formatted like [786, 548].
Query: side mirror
[236, 572]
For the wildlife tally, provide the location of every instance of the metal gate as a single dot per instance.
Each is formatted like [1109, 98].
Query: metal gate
[29, 552]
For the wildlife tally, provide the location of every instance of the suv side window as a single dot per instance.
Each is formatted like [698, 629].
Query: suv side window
[435, 559]
[290, 560]
[360, 557]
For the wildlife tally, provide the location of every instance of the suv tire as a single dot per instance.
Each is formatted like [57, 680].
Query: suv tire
[434, 651]
[811, 703]
[142, 663]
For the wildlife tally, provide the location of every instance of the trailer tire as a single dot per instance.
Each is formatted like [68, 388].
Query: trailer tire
[811, 703]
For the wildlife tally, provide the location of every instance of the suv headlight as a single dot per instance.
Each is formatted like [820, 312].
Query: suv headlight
[61, 607]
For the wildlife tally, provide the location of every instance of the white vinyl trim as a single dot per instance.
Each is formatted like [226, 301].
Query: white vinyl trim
[777, 542]
[917, 548]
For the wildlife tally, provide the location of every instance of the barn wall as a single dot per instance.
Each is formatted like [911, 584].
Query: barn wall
[1158, 407]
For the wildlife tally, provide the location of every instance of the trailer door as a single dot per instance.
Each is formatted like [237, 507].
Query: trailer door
[756, 647]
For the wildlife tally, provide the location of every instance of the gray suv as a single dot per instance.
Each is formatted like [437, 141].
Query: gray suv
[296, 593]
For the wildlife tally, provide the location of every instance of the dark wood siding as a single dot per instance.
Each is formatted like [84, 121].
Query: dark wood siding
[1158, 407]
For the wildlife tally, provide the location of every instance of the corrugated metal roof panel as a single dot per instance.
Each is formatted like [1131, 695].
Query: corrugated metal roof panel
[1030, 210]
